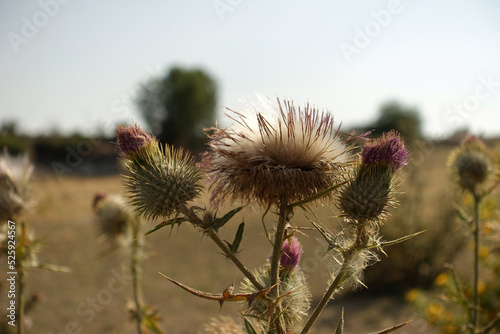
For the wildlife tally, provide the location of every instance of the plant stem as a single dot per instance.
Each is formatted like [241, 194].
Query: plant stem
[275, 259]
[136, 249]
[215, 237]
[475, 311]
[343, 274]
[21, 252]
[21, 304]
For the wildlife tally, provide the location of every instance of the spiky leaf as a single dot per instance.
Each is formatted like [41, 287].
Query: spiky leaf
[237, 239]
[394, 328]
[170, 222]
[340, 326]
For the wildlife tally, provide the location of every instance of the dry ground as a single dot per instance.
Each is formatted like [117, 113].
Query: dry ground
[82, 298]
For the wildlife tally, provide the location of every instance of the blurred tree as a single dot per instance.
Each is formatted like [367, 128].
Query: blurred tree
[406, 120]
[179, 106]
[12, 140]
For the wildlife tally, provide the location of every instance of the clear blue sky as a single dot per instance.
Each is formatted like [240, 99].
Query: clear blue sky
[79, 67]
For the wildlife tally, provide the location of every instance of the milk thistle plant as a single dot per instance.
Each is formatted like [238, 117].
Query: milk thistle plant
[463, 306]
[18, 244]
[118, 226]
[282, 157]
[473, 169]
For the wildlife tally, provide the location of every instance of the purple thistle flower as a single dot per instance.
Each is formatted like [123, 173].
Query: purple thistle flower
[291, 252]
[387, 150]
[473, 142]
[131, 138]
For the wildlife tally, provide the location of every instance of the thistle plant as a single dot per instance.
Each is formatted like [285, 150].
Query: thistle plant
[463, 303]
[282, 157]
[473, 170]
[364, 203]
[17, 241]
[118, 225]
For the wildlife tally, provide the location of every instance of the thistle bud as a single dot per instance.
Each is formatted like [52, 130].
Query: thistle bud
[370, 193]
[159, 185]
[112, 215]
[290, 253]
[470, 164]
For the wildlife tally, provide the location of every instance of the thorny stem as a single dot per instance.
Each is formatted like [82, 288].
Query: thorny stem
[475, 311]
[275, 259]
[215, 237]
[342, 275]
[136, 274]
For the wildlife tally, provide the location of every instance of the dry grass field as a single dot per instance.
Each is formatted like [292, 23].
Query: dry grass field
[93, 296]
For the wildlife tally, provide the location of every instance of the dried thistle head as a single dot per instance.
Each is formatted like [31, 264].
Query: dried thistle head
[280, 153]
[112, 215]
[470, 164]
[159, 181]
[15, 175]
[371, 191]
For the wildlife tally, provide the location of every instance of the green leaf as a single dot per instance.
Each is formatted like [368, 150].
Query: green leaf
[237, 239]
[249, 327]
[461, 214]
[392, 329]
[219, 222]
[170, 222]
[340, 326]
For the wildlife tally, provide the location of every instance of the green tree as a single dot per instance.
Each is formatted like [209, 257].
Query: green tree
[179, 106]
[406, 120]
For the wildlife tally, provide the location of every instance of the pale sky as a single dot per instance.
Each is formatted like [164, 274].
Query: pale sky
[75, 65]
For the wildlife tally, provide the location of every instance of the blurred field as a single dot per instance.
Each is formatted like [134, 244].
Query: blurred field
[64, 219]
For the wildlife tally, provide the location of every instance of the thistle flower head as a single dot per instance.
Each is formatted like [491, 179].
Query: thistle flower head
[470, 164]
[15, 175]
[131, 138]
[280, 153]
[291, 252]
[161, 182]
[112, 215]
[371, 191]
[388, 150]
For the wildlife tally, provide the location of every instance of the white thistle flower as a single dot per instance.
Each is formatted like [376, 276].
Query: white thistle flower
[278, 153]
